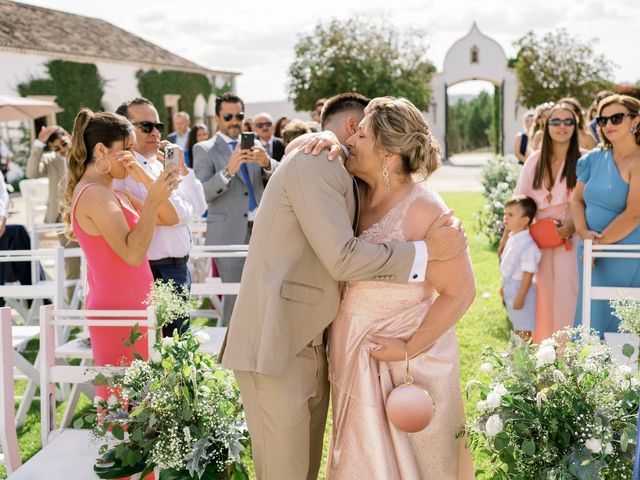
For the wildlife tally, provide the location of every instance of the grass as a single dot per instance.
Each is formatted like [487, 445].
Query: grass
[485, 323]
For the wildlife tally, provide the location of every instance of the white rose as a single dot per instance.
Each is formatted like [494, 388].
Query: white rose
[548, 342]
[97, 400]
[494, 425]
[481, 405]
[154, 355]
[167, 342]
[500, 389]
[594, 445]
[201, 337]
[545, 355]
[558, 376]
[493, 400]
[486, 367]
[608, 449]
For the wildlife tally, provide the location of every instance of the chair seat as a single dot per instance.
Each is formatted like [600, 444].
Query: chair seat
[69, 455]
[21, 335]
[77, 348]
[216, 337]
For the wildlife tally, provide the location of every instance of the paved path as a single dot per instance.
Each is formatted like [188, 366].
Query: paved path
[461, 173]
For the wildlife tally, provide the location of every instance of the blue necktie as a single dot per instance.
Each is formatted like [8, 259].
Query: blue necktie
[247, 180]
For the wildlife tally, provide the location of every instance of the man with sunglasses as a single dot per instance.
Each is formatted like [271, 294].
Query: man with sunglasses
[265, 128]
[169, 250]
[233, 179]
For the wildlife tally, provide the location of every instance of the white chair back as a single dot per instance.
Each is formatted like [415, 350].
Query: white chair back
[35, 192]
[589, 292]
[50, 373]
[8, 436]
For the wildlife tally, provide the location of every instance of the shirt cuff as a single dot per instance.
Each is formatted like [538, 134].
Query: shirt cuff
[269, 169]
[224, 179]
[419, 262]
[37, 143]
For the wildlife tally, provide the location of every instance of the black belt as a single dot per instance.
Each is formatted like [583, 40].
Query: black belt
[170, 261]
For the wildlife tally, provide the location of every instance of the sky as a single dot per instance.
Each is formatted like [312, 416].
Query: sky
[257, 38]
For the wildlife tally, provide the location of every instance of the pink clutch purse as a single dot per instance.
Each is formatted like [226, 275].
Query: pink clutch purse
[409, 407]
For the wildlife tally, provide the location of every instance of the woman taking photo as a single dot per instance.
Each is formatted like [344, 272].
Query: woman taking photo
[549, 177]
[113, 229]
[606, 203]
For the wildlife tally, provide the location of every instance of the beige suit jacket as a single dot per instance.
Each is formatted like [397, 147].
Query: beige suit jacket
[50, 165]
[302, 246]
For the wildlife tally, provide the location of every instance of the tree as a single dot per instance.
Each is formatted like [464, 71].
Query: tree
[360, 55]
[558, 65]
[471, 123]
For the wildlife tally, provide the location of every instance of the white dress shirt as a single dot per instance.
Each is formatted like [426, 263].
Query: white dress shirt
[519, 248]
[174, 240]
[4, 199]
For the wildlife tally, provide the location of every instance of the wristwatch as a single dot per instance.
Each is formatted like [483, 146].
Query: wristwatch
[225, 173]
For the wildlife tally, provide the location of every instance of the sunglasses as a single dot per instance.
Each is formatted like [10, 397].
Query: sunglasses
[228, 116]
[556, 122]
[616, 119]
[147, 127]
[264, 124]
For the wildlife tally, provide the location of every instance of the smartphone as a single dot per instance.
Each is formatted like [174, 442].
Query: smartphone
[172, 155]
[247, 140]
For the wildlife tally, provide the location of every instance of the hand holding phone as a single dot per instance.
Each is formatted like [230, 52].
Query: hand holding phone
[172, 157]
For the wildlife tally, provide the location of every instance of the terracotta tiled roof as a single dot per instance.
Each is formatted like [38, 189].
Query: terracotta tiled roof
[27, 27]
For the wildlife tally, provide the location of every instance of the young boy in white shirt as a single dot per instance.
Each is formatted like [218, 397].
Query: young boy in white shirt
[518, 264]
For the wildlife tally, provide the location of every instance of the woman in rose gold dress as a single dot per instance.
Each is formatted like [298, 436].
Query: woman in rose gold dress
[378, 322]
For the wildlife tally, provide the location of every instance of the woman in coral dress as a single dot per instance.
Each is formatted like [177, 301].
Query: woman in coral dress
[378, 322]
[549, 177]
[113, 230]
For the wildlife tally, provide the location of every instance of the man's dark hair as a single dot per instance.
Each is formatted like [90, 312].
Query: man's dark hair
[527, 204]
[342, 103]
[228, 97]
[124, 108]
[58, 133]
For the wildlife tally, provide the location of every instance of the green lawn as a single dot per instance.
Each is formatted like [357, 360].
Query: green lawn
[484, 324]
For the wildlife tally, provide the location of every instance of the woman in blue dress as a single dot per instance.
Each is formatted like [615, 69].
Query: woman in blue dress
[606, 202]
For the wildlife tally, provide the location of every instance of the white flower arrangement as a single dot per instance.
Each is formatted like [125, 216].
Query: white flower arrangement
[563, 409]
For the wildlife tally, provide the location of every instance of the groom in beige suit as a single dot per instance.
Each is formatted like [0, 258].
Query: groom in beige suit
[302, 247]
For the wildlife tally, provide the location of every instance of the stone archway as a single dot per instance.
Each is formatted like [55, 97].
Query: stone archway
[476, 57]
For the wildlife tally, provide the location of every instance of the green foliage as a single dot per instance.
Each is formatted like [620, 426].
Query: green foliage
[557, 65]
[564, 409]
[154, 85]
[496, 124]
[360, 55]
[470, 123]
[75, 85]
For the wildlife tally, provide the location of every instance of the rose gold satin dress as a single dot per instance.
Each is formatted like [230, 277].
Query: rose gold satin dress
[364, 444]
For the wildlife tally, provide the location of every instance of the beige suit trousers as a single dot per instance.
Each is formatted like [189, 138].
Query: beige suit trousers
[286, 416]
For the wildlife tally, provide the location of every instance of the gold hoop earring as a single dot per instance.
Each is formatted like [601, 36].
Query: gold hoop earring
[385, 176]
[105, 172]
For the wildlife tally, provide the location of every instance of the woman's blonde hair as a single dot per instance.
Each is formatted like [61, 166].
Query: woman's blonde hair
[398, 127]
[89, 129]
[632, 104]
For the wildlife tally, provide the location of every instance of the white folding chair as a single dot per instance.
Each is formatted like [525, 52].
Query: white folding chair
[35, 192]
[8, 436]
[69, 454]
[213, 286]
[589, 293]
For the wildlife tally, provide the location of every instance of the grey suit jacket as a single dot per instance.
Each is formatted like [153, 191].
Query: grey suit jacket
[228, 204]
[51, 165]
[288, 296]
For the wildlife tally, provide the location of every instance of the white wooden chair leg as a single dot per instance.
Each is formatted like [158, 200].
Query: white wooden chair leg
[28, 395]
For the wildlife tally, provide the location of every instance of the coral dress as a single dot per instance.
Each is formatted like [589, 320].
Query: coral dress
[113, 285]
[364, 443]
[557, 277]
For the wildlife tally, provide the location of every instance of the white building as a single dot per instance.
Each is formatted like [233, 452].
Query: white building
[31, 36]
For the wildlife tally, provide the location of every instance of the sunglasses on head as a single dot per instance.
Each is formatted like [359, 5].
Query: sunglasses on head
[264, 124]
[228, 116]
[616, 119]
[147, 127]
[556, 122]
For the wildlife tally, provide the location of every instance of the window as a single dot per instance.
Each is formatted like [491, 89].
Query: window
[474, 54]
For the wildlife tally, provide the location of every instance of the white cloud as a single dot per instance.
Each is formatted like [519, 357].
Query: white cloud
[257, 38]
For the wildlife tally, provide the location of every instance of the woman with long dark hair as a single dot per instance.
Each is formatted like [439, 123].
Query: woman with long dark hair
[549, 177]
[198, 133]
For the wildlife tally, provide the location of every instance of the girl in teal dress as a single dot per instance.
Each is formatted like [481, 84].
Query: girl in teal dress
[606, 202]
